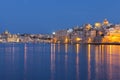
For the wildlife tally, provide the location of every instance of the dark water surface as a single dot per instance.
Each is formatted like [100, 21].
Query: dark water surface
[59, 62]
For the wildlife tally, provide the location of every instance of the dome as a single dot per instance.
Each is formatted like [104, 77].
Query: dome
[98, 25]
[105, 22]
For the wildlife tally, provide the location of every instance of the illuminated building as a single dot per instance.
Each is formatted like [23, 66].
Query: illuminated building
[113, 35]
[61, 36]
[87, 27]
[98, 25]
[100, 32]
[105, 22]
[13, 38]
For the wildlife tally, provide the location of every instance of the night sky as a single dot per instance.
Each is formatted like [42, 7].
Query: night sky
[46, 16]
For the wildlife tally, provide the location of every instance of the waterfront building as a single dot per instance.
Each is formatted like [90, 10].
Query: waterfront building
[113, 35]
[99, 32]
[87, 27]
[6, 36]
[13, 38]
[77, 35]
[61, 36]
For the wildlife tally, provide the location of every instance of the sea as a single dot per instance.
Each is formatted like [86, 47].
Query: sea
[46, 61]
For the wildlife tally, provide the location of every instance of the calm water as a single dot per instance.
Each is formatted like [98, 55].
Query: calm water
[59, 62]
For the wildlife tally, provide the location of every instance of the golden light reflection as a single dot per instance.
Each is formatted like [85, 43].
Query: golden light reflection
[96, 60]
[77, 48]
[89, 62]
[66, 60]
[110, 60]
[107, 56]
[53, 61]
[66, 48]
[110, 49]
[77, 67]
[77, 61]
[102, 52]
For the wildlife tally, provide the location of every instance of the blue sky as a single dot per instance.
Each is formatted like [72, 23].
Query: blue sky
[46, 16]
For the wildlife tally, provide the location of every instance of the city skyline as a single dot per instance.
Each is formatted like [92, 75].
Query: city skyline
[36, 16]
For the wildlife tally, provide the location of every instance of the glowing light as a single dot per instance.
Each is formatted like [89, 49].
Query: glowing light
[89, 40]
[97, 25]
[111, 39]
[78, 39]
[66, 40]
[112, 36]
[53, 33]
[54, 40]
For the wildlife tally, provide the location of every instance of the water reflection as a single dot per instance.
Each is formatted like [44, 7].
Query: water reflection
[58, 48]
[103, 61]
[66, 60]
[66, 48]
[77, 61]
[60, 62]
[53, 47]
[25, 60]
[77, 48]
[89, 61]
[107, 58]
[10, 50]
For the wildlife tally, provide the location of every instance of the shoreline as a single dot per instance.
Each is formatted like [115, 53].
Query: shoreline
[59, 43]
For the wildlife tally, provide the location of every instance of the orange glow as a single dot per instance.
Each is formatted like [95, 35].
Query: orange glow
[66, 40]
[89, 40]
[111, 39]
[112, 36]
[54, 40]
[78, 39]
